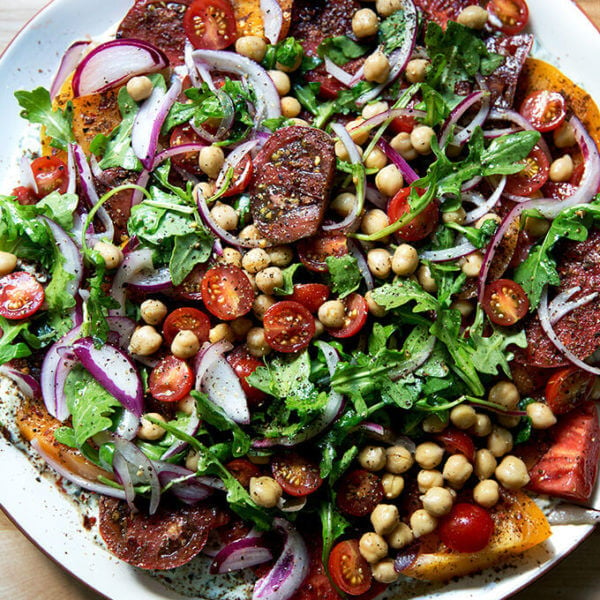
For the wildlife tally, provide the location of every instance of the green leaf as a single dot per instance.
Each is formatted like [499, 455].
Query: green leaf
[10, 349]
[394, 30]
[333, 525]
[288, 280]
[402, 291]
[503, 155]
[59, 207]
[341, 49]
[188, 251]
[345, 276]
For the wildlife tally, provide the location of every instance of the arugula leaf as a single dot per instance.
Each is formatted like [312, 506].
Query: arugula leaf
[10, 331]
[333, 525]
[288, 280]
[394, 29]
[188, 251]
[345, 276]
[341, 49]
[59, 207]
[402, 291]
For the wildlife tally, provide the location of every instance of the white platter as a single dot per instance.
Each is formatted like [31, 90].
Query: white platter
[36, 504]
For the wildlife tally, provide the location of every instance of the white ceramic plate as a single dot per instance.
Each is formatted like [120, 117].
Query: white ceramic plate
[36, 504]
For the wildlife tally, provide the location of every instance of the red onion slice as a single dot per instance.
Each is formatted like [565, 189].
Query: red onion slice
[272, 19]
[407, 171]
[233, 159]
[488, 205]
[361, 261]
[114, 62]
[26, 383]
[176, 150]
[458, 111]
[26, 173]
[142, 182]
[338, 73]
[374, 196]
[246, 552]
[71, 58]
[156, 281]
[128, 425]
[179, 445]
[121, 330]
[190, 65]
[560, 305]
[182, 482]
[449, 253]
[134, 263]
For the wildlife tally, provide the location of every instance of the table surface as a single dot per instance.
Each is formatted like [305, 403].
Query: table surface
[27, 574]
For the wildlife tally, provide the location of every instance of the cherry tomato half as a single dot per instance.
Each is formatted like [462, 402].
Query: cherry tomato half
[545, 110]
[349, 569]
[21, 295]
[532, 177]
[245, 364]
[25, 196]
[227, 293]
[242, 174]
[505, 302]
[568, 388]
[510, 16]
[310, 295]
[357, 311]
[289, 326]
[186, 318]
[50, 173]
[420, 226]
[296, 475]
[457, 442]
[191, 287]
[467, 528]
[359, 492]
[313, 251]
[171, 380]
[180, 136]
[210, 24]
[243, 470]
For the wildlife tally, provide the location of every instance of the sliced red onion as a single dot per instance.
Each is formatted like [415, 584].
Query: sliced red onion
[407, 556]
[560, 305]
[27, 178]
[114, 62]
[82, 482]
[570, 514]
[97, 172]
[134, 263]
[207, 356]
[190, 65]
[155, 281]
[149, 121]
[390, 114]
[178, 445]
[471, 184]
[71, 58]
[361, 261]
[246, 552]
[291, 504]
[225, 123]
[26, 383]
[72, 172]
[338, 73]
[114, 370]
[448, 253]
[490, 134]
[290, 570]
[272, 19]
[182, 482]
[121, 330]
[488, 205]
[176, 150]
[414, 361]
[142, 182]
[233, 159]
[374, 196]
[459, 110]
[407, 171]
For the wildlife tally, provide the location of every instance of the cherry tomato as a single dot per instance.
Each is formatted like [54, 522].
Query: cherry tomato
[171, 379]
[310, 295]
[25, 196]
[403, 124]
[227, 292]
[50, 173]
[210, 24]
[245, 364]
[186, 318]
[467, 528]
[289, 326]
[532, 177]
[568, 388]
[21, 295]
[545, 110]
[181, 135]
[511, 14]
[355, 318]
[349, 569]
[242, 174]
[296, 475]
[457, 442]
[359, 492]
[243, 470]
[313, 251]
[505, 302]
[420, 226]
[191, 287]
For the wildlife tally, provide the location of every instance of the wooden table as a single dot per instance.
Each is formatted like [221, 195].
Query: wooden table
[27, 574]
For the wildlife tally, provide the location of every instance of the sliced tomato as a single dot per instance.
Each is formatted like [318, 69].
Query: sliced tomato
[171, 380]
[420, 226]
[467, 528]
[242, 175]
[568, 388]
[359, 492]
[289, 326]
[227, 292]
[296, 475]
[21, 295]
[524, 245]
[349, 569]
[186, 318]
[210, 24]
[403, 124]
[25, 195]
[243, 470]
[314, 251]
[355, 318]
[456, 441]
[245, 364]
[505, 302]
[310, 295]
[532, 177]
[50, 174]
[191, 287]
[509, 16]
[181, 136]
[545, 110]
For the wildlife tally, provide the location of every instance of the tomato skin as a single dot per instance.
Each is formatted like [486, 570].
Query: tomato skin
[242, 175]
[467, 528]
[184, 134]
[21, 295]
[348, 569]
[186, 318]
[505, 302]
[50, 174]
[568, 388]
[210, 24]
[532, 177]
[420, 226]
[289, 326]
[25, 196]
[456, 441]
[313, 251]
[171, 380]
[355, 319]
[191, 287]
[245, 364]
[545, 110]
[310, 295]
[296, 475]
[243, 470]
[512, 14]
[226, 292]
[359, 492]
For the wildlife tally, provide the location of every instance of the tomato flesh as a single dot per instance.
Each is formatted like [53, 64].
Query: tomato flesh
[505, 302]
[242, 175]
[296, 475]
[532, 177]
[545, 110]
[510, 16]
[25, 196]
[186, 318]
[356, 312]
[349, 569]
[289, 326]
[50, 174]
[171, 380]
[359, 492]
[568, 388]
[467, 528]
[227, 293]
[243, 470]
[310, 295]
[180, 136]
[313, 252]
[21, 295]
[457, 442]
[418, 228]
[210, 24]
[245, 364]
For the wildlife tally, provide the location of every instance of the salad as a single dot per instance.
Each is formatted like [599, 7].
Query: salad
[309, 294]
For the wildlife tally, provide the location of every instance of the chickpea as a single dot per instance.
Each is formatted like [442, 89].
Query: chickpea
[343, 204]
[319, 328]
[148, 430]
[561, 169]
[268, 279]
[486, 493]
[471, 264]
[187, 405]
[385, 518]
[153, 312]
[400, 536]
[111, 254]
[376, 159]
[457, 470]
[251, 46]
[145, 341]
[377, 67]
[473, 17]
[256, 260]
[281, 256]
[487, 217]
[564, 136]
[405, 260]
[428, 478]
[505, 393]
[509, 421]
[261, 305]
[205, 188]
[256, 342]
[500, 441]
[485, 463]
[512, 473]
[379, 262]
[426, 279]
[231, 256]
[281, 81]
[221, 331]
[374, 221]
[210, 160]
[8, 262]
[482, 426]
[455, 216]
[372, 547]
[541, 415]
[185, 344]
[358, 134]
[225, 216]
[332, 314]
[464, 307]
[384, 571]
[364, 23]
[375, 309]
[290, 107]
[399, 460]
[387, 7]
[250, 232]
[416, 69]
[139, 88]
[422, 523]
[463, 416]
[420, 138]
[402, 144]
[437, 501]
[429, 455]
[372, 458]
[389, 181]
[265, 491]
[342, 152]
[393, 485]
[191, 460]
[536, 227]
[240, 326]
[433, 424]
[374, 108]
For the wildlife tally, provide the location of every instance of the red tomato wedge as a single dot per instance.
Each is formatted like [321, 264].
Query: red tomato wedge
[314, 251]
[545, 110]
[510, 16]
[245, 364]
[171, 380]
[25, 196]
[210, 24]
[242, 175]
[505, 302]
[296, 475]
[227, 293]
[50, 174]
[21, 295]
[186, 318]
[467, 528]
[359, 492]
[348, 569]
[180, 136]
[289, 326]
[457, 442]
[421, 226]
[532, 177]
[568, 388]
[310, 295]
